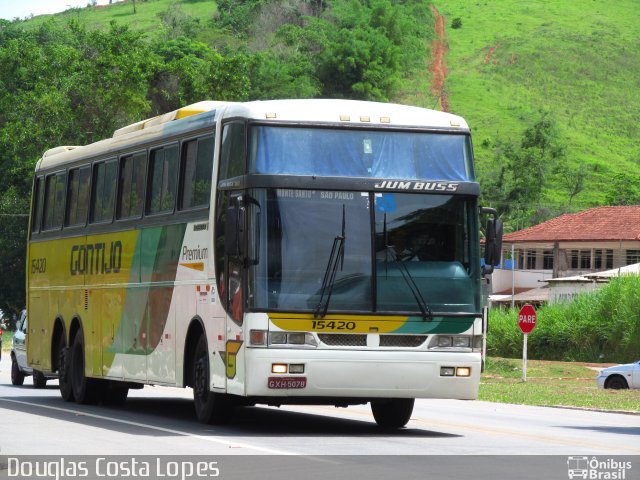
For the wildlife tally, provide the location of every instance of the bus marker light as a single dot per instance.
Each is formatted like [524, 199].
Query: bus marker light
[365, 119]
[270, 115]
[296, 368]
[447, 371]
[345, 118]
[463, 372]
[279, 368]
[258, 337]
[385, 120]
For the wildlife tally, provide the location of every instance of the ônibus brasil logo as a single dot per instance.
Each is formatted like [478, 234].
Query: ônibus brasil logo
[596, 469]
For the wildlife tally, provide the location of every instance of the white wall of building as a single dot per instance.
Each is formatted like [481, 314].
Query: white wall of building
[502, 280]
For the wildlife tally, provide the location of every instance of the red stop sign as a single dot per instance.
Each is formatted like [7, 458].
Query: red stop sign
[527, 318]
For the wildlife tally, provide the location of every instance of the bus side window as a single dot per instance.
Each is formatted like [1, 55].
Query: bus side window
[54, 200]
[131, 200]
[163, 178]
[103, 191]
[197, 165]
[232, 156]
[77, 196]
[36, 217]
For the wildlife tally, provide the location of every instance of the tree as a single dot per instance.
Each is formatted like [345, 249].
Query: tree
[572, 179]
[624, 189]
[187, 71]
[517, 184]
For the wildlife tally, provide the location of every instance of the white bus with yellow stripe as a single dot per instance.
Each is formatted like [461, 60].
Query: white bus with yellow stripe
[286, 251]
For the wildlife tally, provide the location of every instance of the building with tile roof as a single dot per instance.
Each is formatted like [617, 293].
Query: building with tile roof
[572, 244]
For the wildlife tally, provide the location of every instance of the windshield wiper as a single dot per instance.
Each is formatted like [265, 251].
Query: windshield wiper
[335, 257]
[427, 314]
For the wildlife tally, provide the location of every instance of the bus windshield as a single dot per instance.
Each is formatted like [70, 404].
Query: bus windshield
[411, 241]
[360, 153]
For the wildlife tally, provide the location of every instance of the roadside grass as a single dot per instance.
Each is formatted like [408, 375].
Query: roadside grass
[6, 340]
[551, 384]
[601, 326]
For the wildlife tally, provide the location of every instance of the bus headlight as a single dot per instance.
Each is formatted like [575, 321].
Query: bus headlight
[277, 338]
[291, 339]
[451, 342]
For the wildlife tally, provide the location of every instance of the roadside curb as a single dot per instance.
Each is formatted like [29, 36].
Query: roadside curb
[599, 410]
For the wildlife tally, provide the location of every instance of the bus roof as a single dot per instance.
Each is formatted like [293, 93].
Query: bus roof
[202, 114]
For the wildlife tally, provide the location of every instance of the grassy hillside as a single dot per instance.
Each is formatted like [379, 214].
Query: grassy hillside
[146, 17]
[578, 60]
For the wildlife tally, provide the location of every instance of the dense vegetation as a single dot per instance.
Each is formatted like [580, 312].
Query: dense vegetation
[549, 88]
[68, 80]
[602, 326]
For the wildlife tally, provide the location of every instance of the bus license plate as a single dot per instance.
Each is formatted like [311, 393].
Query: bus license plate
[289, 382]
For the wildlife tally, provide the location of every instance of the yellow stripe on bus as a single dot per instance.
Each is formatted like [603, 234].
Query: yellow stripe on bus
[337, 323]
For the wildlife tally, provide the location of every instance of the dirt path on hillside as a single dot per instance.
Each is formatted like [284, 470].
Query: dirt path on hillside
[438, 67]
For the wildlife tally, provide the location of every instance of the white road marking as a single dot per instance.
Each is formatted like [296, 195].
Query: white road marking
[270, 451]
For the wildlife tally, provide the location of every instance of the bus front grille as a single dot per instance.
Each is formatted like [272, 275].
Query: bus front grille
[360, 340]
[407, 341]
[343, 339]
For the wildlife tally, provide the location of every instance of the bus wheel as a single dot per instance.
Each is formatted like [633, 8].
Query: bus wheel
[85, 390]
[392, 412]
[17, 377]
[39, 380]
[64, 371]
[210, 407]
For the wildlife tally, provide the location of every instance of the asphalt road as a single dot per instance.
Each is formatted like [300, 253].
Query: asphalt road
[159, 420]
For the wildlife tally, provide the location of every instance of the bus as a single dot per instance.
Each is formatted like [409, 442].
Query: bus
[268, 252]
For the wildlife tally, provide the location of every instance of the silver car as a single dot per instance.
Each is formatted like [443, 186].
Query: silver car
[620, 376]
[19, 366]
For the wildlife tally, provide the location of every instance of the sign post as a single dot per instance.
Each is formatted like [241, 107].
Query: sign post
[527, 322]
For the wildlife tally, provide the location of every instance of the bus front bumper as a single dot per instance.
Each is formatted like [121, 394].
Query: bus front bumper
[362, 374]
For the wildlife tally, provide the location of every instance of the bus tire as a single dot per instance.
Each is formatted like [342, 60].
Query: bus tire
[39, 380]
[210, 407]
[86, 391]
[17, 377]
[64, 370]
[392, 412]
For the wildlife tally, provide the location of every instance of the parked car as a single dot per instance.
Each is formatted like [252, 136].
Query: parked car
[620, 376]
[19, 366]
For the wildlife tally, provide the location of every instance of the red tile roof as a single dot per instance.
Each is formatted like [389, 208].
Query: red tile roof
[602, 223]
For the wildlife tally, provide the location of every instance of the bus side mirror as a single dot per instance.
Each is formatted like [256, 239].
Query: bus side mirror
[493, 241]
[234, 232]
